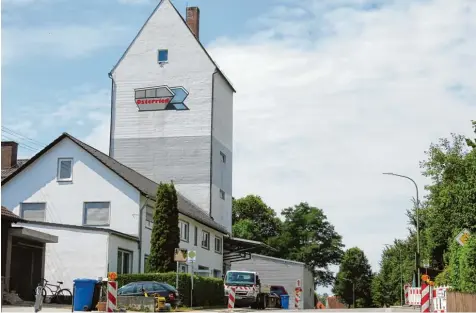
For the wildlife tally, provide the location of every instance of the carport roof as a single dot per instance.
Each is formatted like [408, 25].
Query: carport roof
[239, 249]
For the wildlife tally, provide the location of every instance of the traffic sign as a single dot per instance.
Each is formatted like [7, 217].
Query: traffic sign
[463, 237]
[192, 256]
[180, 255]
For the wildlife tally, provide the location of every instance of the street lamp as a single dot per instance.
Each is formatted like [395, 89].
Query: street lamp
[401, 271]
[417, 223]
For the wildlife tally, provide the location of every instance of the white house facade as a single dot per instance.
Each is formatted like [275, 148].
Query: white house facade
[172, 112]
[93, 204]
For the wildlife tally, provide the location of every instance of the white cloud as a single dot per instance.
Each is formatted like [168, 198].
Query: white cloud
[66, 41]
[330, 96]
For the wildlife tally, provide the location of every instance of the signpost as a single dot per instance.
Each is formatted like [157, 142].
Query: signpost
[180, 256]
[191, 258]
[463, 237]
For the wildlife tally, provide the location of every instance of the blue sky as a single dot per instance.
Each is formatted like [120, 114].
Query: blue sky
[347, 89]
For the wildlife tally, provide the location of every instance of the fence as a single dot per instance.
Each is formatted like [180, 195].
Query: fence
[461, 302]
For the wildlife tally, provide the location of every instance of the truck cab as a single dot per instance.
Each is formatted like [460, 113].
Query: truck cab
[248, 289]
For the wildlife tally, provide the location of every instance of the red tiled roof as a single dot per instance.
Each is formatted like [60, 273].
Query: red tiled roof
[6, 213]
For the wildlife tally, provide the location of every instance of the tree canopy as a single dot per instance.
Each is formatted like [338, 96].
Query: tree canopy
[449, 207]
[305, 235]
[165, 235]
[354, 279]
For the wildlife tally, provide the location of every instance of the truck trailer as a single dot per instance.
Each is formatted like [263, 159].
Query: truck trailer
[279, 272]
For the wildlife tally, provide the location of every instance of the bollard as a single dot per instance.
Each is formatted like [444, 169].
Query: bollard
[231, 299]
[425, 298]
[111, 304]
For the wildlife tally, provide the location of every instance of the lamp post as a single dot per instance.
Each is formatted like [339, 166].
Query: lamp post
[401, 272]
[417, 223]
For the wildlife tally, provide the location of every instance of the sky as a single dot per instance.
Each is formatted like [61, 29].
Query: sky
[330, 93]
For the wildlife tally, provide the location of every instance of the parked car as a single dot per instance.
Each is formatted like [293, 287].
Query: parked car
[152, 288]
[278, 290]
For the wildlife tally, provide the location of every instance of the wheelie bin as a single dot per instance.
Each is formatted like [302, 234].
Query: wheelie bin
[83, 294]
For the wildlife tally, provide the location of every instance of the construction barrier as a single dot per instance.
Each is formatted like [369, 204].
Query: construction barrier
[111, 304]
[297, 294]
[231, 299]
[439, 299]
[414, 296]
[425, 298]
[407, 289]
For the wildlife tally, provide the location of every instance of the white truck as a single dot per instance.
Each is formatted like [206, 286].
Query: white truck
[249, 292]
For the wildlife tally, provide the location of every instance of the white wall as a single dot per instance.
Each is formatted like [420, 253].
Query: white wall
[208, 258]
[115, 243]
[92, 181]
[78, 254]
[222, 173]
[140, 138]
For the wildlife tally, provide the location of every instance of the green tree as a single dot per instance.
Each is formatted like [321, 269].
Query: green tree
[451, 204]
[354, 279]
[308, 237]
[165, 231]
[254, 220]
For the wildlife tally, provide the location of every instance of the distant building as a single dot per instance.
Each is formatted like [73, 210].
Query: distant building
[172, 111]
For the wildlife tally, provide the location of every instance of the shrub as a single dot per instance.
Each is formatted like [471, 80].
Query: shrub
[206, 291]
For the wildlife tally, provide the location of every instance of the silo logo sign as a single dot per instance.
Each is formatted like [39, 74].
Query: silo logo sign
[161, 98]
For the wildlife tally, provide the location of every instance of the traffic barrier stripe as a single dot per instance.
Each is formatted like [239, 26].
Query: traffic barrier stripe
[111, 304]
[231, 299]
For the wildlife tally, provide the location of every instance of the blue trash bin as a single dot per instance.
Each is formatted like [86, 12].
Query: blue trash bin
[285, 302]
[83, 293]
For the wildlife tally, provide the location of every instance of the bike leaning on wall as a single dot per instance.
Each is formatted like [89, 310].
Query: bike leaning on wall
[54, 292]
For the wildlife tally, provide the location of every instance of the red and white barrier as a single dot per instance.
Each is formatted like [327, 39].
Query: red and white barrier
[407, 289]
[111, 304]
[231, 298]
[439, 299]
[425, 298]
[414, 296]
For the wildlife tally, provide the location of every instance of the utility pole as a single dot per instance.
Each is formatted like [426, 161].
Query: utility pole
[417, 224]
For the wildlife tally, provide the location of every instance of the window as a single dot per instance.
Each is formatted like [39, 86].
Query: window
[146, 263]
[124, 262]
[217, 245]
[217, 273]
[65, 169]
[223, 157]
[222, 194]
[203, 271]
[205, 240]
[149, 217]
[195, 239]
[96, 213]
[163, 56]
[33, 211]
[184, 226]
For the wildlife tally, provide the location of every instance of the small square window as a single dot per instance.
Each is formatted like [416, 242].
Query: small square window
[149, 217]
[222, 194]
[223, 157]
[33, 211]
[163, 56]
[65, 169]
[96, 213]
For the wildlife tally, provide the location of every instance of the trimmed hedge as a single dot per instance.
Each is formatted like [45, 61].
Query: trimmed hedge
[206, 291]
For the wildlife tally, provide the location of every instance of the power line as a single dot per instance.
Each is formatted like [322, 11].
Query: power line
[25, 146]
[17, 134]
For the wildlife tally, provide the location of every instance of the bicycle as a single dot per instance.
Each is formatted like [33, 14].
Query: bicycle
[60, 294]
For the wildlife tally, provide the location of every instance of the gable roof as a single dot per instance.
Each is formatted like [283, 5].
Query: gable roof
[143, 184]
[10, 216]
[8, 171]
[185, 23]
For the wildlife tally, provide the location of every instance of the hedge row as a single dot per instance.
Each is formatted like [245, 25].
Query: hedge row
[206, 291]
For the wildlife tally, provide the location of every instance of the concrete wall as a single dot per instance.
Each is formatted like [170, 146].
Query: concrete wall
[166, 145]
[78, 254]
[222, 142]
[92, 181]
[274, 271]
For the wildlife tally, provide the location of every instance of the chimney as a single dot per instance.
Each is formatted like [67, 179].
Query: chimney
[193, 20]
[9, 154]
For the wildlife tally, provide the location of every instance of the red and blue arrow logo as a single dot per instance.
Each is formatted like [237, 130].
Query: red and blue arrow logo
[161, 98]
